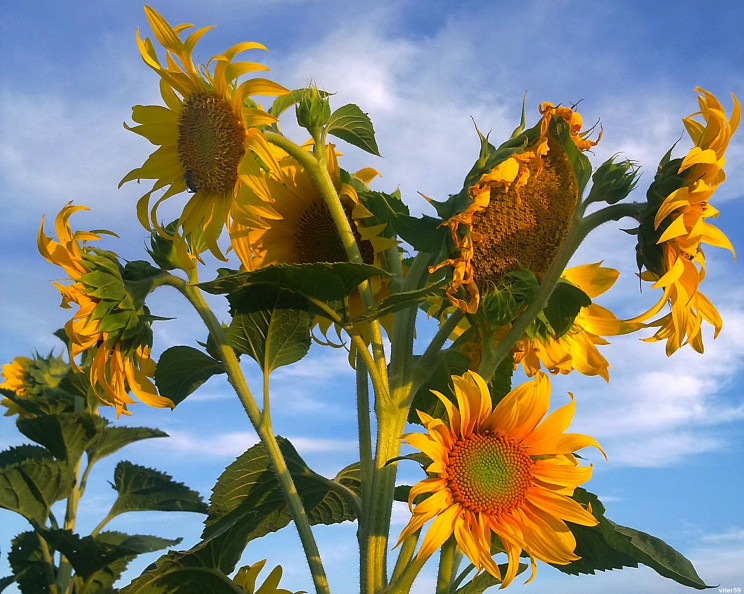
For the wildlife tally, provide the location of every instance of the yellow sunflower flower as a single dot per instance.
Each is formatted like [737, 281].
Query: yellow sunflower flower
[518, 214]
[286, 221]
[577, 348]
[205, 133]
[500, 471]
[673, 229]
[116, 363]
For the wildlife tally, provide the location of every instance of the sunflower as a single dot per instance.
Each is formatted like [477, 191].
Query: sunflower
[205, 133]
[107, 331]
[577, 348]
[496, 471]
[674, 227]
[285, 220]
[29, 378]
[518, 212]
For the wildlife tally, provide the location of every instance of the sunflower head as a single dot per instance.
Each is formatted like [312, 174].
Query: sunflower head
[673, 226]
[517, 204]
[503, 472]
[205, 133]
[30, 378]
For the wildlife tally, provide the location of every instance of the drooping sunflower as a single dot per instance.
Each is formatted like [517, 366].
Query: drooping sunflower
[284, 219]
[110, 332]
[518, 212]
[673, 227]
[29, 378]
[204, 133]
[500, 471]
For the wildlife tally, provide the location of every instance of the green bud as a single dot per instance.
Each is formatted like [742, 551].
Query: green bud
[313, 109]
[613, 181]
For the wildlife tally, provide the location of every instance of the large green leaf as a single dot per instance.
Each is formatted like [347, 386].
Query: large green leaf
[351, 124]
[182, 369]
[30, 484]
[144, 489]
[170, 575]
[324, 281]
[450, 362]
[271, 328]
[28, 565]
[104, 557]
[65, 435]
[111, 439]
[611, 546]
[248, 493]
[403, 300]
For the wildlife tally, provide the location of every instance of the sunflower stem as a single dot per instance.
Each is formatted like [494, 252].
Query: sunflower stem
[262, 425]
[405, 555]
[446, 563]
[580, 228]
[365, 448]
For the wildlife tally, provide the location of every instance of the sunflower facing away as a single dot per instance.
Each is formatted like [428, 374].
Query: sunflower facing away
[519, 212]
[674, 227]
[204, 133]
[500, 471]
[119, 363]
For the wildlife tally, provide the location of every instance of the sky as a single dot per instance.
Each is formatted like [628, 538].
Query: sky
[673, 428]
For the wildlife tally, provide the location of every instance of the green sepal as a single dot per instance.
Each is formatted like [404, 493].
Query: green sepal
[351, 124]
[182, 369]
[483, 581]
[102, 558]
[271, 325]
[28, 564]
[450, 362]
[30, 483]
[324, 281]
[612, 546]
[248, 493]
[112, 439]
[500, 305]
[65, 435]
[144, 489]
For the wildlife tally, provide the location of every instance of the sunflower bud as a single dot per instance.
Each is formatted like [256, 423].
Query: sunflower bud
[313, 110]
[613, 181]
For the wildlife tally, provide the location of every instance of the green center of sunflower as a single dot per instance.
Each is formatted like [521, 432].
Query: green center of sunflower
[528, 231]
[317, 239]
[489, 474]
[211, 143]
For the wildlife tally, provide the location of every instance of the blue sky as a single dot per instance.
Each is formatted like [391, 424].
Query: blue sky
[672, 428]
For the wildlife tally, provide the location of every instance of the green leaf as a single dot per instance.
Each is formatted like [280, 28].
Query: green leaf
[104, 557]
[6, 581]
[112, 439]
[169, 575]
[324, 281]
[611, 546]
[563, 306]
[402, 300]
[182, 369]
[275, 333]
[65, 435]
[144, 489]
[283, 102]
[16, 454]
[30, 486]
[28, 565]
[248, 492]
[351, 124]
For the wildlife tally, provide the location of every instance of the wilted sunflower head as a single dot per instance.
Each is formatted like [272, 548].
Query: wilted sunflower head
[517, 208]
[206, 131]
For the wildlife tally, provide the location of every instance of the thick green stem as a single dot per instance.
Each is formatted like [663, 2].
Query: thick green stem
[365, 459]
[580, 228]
[446, 563]
[263, 428]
